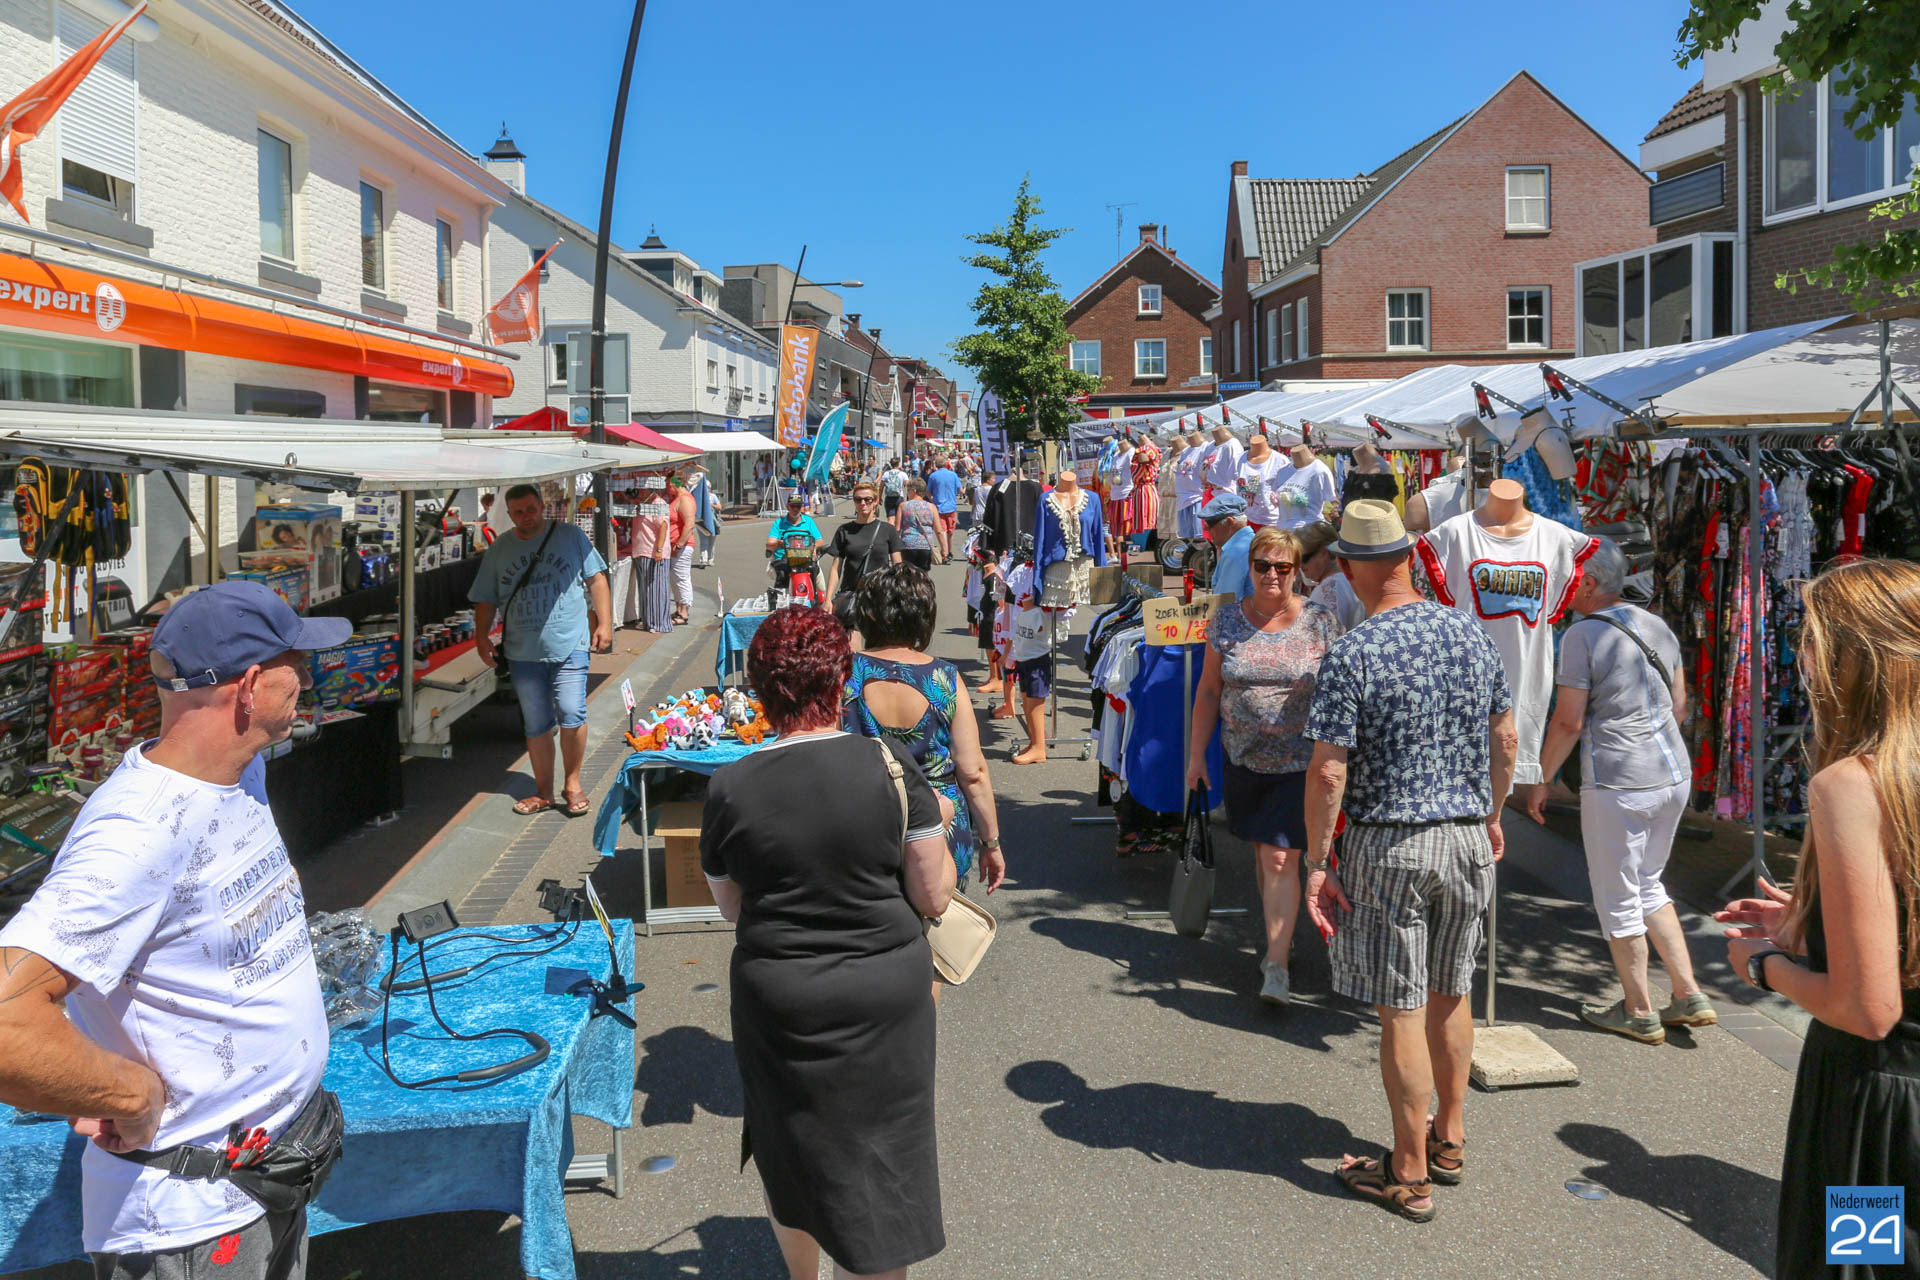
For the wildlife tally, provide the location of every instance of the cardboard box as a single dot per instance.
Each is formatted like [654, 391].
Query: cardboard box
[364, 670]
[296, 527]
[678, 826]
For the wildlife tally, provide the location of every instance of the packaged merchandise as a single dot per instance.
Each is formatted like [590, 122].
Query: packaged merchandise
[364, 670]
[39, 821]
[307, 536]
[80, 666]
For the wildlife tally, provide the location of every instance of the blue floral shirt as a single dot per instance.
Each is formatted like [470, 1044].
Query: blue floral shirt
[1409, 692]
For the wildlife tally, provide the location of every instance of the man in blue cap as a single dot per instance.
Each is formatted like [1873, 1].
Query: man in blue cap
[1225, 521]
[159, 988]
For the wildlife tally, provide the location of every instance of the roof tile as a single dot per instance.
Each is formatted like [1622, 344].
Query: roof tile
[1694, 106]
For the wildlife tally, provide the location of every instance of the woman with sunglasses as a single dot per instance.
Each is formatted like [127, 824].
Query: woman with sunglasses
[863, 543]
[1263, 659]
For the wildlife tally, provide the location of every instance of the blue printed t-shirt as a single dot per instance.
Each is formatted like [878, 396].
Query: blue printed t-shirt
[944, 488]
[1409, 693]
[548, 620]
[1231, 571]
[782, 527]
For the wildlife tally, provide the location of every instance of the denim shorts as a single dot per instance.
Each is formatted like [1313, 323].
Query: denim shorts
[550, 691]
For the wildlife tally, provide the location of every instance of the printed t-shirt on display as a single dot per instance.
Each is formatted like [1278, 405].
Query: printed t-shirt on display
[174, 904]
[1259, 484]
[1187, 480]
[1222, 465]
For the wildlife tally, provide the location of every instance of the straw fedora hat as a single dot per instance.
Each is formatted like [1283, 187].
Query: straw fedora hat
[1371, 530]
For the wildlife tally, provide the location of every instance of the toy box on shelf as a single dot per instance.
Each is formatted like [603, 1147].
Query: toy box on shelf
[89, 690]
[289, 583]
[310, 532]
[363, 671]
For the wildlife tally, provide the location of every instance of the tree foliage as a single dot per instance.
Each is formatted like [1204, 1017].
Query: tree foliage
[1872, 52]
[1022, 330]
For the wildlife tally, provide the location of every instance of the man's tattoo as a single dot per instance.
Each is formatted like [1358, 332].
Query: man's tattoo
[22, 973]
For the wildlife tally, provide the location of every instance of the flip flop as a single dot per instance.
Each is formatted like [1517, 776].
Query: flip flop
[532, 805]
[576, 808]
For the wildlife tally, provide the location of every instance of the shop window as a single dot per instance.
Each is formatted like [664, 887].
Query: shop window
[1206, 356]
[1527, 199]
[1526, 317]
[373, 237]
[278, 402]
[1150, 358]
[276, 196]
[1085, 357]
[443, 262]
[387, 403]
[1149, 299]
[1407, 320]
[52, 370]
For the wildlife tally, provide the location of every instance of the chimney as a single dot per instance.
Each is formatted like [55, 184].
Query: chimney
[853, 319]
[506, 162]
[1149, 232]
[1239, 168]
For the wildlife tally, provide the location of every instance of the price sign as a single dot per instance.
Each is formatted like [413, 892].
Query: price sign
[626, 693]
[1167, 621]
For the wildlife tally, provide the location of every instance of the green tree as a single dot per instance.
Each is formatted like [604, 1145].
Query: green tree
[1022, 335]
[1872, 51]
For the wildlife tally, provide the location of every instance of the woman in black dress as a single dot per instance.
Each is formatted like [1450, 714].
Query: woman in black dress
[833, 1023]
[1846, 945]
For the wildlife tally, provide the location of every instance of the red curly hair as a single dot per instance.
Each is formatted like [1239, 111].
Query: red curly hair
[798, 663]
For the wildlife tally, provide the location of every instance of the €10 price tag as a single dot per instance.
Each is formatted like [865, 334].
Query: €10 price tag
[1169, 622]
[1866, 1226]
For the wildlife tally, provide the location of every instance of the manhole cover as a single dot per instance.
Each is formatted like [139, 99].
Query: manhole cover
[705, 988]
[1587, 1189]
[657, 1164]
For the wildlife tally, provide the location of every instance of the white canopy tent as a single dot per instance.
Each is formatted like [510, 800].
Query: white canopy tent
[728, 442]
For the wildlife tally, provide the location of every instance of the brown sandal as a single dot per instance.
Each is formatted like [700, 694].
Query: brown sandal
[1368, 1179]
[532, 805]
[1454, 1154]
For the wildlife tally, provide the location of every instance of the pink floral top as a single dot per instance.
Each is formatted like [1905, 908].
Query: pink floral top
[1267, 683]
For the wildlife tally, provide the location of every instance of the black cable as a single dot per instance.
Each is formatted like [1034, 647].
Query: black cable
[391, 987]
[540, 1049]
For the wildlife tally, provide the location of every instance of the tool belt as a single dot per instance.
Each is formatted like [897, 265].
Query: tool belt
[282, 1175]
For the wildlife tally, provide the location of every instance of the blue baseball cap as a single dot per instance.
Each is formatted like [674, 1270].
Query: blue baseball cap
[1224, 504]
[216, 633]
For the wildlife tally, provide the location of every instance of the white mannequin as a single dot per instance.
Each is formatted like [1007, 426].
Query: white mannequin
[1504, 514]
[1258, 449]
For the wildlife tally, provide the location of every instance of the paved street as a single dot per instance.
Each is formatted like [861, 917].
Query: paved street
[1116, 1103]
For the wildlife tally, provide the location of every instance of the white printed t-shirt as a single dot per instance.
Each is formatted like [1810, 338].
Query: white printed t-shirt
[1518, 588]
[1187, 481]
[1222, 466]
[1301, 494]
[174, 904]
[1259, 483]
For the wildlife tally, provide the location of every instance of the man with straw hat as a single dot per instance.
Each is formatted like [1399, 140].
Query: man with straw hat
[1415, 739]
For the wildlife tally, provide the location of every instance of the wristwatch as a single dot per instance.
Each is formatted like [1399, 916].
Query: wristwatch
[1321, 865]
[1757, 967]
[991, 844]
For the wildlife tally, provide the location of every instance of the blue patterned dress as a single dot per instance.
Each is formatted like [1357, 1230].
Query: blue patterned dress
[930, 739]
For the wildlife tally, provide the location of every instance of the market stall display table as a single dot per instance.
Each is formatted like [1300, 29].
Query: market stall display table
[627, 800]
[506, 1146]
[736, 633]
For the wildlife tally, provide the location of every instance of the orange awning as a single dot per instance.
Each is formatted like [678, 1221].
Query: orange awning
[56, 298]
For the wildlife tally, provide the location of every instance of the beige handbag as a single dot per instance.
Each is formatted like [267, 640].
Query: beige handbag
[961, 934]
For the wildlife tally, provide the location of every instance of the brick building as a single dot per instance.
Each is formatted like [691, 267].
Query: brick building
[1142, 328]
[1749, 186]
[1457, 250]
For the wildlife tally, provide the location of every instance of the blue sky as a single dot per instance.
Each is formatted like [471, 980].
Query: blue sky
[881, 134]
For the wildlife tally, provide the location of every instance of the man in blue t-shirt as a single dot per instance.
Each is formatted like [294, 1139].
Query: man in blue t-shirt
[1415, 740]
[540, 575]
[1225, 522]
[943, 490]
[798, 524]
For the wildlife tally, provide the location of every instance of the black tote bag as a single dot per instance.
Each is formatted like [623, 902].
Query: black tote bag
[1190, 900]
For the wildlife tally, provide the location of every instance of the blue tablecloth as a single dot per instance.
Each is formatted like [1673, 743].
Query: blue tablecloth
[450, 1147]
[623, 797]
[736, 633]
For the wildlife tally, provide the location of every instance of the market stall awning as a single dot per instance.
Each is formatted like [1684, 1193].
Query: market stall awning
[547, 419]
[647, 438]
[727, 442]
[56, 298]
[310, 453]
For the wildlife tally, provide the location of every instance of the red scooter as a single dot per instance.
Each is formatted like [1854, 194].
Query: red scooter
[794, 567]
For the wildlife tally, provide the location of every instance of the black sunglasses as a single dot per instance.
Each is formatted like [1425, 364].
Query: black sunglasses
[1272, 566]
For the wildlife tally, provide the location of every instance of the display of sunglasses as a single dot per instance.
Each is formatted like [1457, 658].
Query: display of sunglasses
[1272, 566]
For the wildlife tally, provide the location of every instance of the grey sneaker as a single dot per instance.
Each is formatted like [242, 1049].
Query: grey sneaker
[1614, 1017]
[1274, 987]
[1690, 1011]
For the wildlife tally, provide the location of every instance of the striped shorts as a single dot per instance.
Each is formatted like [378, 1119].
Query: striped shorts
[1419, 895]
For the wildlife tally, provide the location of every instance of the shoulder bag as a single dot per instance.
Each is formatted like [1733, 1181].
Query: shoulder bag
[961, 934]
[1659, 667]
[843, 600]
[500, 650]
[1190, 900]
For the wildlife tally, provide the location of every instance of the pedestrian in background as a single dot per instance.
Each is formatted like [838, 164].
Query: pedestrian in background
[1263, 656]
[919, 524]
[1621, 696]
[1845, 946]
[1415, 739]
[1224, 519]
[833, 1030]
[943, 489]
[893, 484]
[686, 527]
[706, 512]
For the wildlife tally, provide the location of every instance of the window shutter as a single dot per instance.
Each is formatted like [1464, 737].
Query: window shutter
[1306, 347]
[98, 124]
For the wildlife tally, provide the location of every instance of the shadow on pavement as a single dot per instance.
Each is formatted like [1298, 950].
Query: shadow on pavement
[717, 1248]
[1186, 1126]
[1726, 1205]
[686, 1067]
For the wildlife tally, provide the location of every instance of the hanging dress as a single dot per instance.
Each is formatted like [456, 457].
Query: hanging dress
[1143, 508]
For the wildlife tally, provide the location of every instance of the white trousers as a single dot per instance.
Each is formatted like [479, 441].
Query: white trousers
[683, 578]
[1628, 837]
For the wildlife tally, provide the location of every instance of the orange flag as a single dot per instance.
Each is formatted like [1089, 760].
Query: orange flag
[22, 119]
[516, 317]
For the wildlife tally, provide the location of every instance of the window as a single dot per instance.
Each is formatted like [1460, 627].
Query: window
[713, 376]
[1150, 358]
[1273, 337]
[733, 380]
[1206, 357]
[557, 365]
[443, 262]
[1149, 299]
[58, 371]
[1286, 334]
[1235, 354]
[276, 197]
[99, 123]
[1527, 317]
[1527, 199]
[534, 252]
[1813, 160]
[1674, 291]
[373, 237]
[1407, 319]
[1086, 358]
[1300, 323]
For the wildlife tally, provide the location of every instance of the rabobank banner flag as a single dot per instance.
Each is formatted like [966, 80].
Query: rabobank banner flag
[826, 443]
[799, 350]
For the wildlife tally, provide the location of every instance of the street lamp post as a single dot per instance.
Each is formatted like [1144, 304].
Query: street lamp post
[866, 395]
